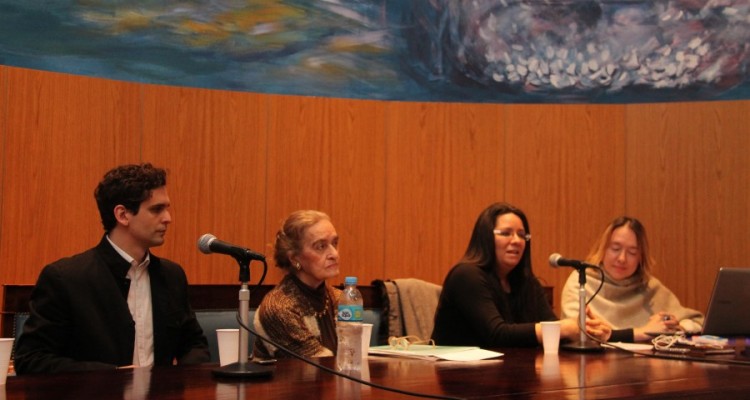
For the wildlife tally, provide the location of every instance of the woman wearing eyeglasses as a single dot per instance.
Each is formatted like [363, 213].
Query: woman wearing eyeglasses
[491, 298]
[634, 303]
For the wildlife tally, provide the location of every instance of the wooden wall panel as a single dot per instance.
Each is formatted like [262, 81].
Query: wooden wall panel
[3, 115]
[564, 166]
[62, 133]
[214, 144]
[444, 166]
[5, 270]
[403, 182]
[329, 155]
[4, 104]
[688, 180]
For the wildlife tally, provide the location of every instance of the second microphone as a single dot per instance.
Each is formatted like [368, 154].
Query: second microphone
[556, 261]
[208, 244]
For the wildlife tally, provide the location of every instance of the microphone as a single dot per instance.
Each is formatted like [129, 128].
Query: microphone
[556, 261]
[208, 244]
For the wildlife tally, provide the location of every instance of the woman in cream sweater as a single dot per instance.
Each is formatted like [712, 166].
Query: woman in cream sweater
[631, 300]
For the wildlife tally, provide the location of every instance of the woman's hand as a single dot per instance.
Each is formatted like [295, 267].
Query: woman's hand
[597, 327]
[659, 322]
[569, 329]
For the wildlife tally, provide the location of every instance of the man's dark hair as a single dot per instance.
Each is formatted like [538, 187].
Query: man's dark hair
[128, 185]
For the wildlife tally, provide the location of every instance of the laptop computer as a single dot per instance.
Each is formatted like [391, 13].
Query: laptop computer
[728, 311]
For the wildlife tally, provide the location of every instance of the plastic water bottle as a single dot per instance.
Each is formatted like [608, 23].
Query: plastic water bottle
[349, 327]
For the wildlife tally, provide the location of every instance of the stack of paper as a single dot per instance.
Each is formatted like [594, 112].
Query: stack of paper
[428, 352]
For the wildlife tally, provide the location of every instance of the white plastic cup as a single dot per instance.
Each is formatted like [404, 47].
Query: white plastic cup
[551, 336]
[366, 335]
[229, 345]
[6, 346]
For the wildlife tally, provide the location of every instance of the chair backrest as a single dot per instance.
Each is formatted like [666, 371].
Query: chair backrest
[412, 305]
[374, 316]
[19, 320]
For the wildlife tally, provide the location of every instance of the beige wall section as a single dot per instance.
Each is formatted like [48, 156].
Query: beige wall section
[328, 154]
[444, 165]
[61, 133]
[4, 104]
[214, 145]
[403, 182]
[565, 167]
[688, 170]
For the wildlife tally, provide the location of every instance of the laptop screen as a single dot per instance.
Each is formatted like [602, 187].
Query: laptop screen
[729, 308]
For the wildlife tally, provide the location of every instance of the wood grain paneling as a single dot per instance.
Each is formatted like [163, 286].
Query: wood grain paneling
[688, 174]
[329, 155]
[3, 109]
[5, 270]
[444, 166]
[564, 166]
[63, 132]
[4, 104]
[403, 182]
[214, 144]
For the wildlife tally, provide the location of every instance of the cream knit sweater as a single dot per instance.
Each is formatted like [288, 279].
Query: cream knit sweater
[627, 303]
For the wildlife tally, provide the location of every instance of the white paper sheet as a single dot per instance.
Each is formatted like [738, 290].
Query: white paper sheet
[470, 355]
[630, 346]
[426, 352]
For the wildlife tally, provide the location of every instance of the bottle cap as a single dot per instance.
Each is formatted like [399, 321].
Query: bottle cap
[350, 280]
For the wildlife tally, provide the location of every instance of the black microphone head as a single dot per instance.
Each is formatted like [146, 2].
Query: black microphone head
[204, 243]
[553, 259]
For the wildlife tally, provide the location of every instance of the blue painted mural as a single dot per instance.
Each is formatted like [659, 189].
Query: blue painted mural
[505, 51]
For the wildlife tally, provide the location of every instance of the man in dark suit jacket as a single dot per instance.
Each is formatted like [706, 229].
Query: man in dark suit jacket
[115, 305]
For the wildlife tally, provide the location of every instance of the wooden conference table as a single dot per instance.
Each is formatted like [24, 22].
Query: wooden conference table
[520, 373]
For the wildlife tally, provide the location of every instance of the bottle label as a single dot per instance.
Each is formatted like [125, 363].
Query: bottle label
[350, 312]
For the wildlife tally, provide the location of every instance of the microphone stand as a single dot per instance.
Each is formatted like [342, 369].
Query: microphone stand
[583, 343]
[242, 368]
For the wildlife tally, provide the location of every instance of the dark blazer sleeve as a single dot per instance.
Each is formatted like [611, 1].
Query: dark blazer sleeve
[79, 318]
[67, 330]
[178, 336]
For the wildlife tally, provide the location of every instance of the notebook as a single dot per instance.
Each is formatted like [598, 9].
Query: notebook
[729, 308]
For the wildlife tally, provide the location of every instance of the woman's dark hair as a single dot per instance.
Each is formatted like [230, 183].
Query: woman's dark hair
[127, 185]
[481, 252]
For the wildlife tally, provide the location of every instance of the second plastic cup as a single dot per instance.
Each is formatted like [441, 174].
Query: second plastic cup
[6, 346]
[229, 342]
[366, 335]
[551, 336]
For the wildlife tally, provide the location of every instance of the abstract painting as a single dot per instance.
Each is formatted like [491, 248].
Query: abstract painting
[504, 51]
